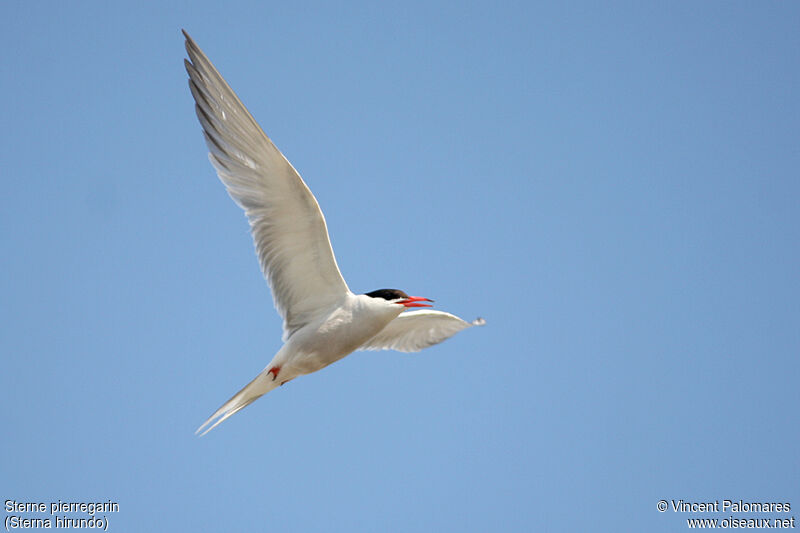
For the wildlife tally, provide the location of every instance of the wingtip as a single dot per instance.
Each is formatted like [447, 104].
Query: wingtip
[189, 44]
[478, 322]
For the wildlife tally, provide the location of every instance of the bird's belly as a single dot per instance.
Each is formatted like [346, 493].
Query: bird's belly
[318, 345]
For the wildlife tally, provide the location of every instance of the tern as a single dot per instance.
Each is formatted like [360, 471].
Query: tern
[323, 321]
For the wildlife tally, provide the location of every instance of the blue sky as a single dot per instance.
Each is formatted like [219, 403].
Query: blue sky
[615, 189]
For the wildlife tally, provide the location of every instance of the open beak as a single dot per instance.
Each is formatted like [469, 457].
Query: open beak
[413, 301]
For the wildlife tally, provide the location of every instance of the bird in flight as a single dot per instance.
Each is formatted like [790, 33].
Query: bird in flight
[323, 321]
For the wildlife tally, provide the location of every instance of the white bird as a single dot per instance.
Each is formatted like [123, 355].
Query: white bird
[323, 321]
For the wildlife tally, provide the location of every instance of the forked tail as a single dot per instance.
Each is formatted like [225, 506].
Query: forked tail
[262, 384]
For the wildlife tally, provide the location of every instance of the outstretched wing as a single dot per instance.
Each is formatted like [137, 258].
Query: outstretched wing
[288, 227]
[412, 331]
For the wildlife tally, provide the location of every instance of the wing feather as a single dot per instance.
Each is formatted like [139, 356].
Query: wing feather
[412, 331]
[288, 227]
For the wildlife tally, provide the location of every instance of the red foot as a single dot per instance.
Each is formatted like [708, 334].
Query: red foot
[274, 371]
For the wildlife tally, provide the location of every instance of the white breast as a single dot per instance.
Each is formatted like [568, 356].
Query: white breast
[336, 333]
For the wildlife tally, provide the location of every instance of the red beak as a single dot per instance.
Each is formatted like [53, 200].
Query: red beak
[413, 301]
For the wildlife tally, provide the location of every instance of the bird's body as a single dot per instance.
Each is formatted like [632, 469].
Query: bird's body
[335, 333]
[323, 320]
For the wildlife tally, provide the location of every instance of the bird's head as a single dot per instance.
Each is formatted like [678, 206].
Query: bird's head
[396, 296]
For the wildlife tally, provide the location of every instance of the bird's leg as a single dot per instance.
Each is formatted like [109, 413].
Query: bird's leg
[275, 370]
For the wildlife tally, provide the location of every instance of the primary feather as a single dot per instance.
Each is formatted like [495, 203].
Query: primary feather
[414, 330]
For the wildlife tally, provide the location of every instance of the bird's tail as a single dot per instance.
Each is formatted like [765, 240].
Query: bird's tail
[262, 384]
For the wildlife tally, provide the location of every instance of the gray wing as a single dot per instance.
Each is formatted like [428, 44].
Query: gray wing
[289, 230]
[412, 331]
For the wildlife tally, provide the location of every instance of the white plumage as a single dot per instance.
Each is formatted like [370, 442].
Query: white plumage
[412, 331]
[323, 320]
